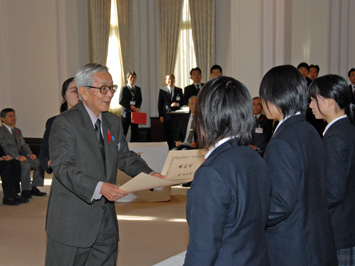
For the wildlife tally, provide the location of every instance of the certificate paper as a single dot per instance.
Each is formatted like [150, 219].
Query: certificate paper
[179, 167]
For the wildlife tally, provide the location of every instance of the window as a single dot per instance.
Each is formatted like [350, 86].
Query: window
[114, 59]
[186, 58]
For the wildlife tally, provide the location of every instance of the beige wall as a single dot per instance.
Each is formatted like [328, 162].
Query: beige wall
[42, 42]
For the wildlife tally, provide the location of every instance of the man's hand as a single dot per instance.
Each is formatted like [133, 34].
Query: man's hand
[112, 192]
[178, 143]
[193, 145]
[22, 158]
[174, 104]
[158, 175]
[134, 109]
[33, 156]
[7, 158]
[161, 119]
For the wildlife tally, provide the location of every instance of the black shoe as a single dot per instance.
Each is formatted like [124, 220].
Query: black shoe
[26, 194]
[21, 199]
[10, 202]
[36, 192]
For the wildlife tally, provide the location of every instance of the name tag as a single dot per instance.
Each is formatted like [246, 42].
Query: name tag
[132, 102]
[178, 98]
[259, 130]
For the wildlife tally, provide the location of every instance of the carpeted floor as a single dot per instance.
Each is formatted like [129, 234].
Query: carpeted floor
[149, 232]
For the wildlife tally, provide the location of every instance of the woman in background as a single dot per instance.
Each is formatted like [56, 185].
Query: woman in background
[70, 98]
[228, 202]
[331, 100]
[299, 230]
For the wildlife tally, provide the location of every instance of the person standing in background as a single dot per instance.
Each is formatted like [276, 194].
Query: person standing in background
[131, 101]
[170, 99]
[70, 98]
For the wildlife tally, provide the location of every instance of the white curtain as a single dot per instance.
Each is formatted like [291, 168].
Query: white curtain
[203, 23]
[124, 13]
[99, 29]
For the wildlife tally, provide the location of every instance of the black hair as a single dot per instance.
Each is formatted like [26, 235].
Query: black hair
[351, 70]
[172, 75]
[196, 68]
[285, 87]
[223, 109]
[65, 86]
[5, 111]
[315, 66]
[334, 87]
[216, 67]
[130, 73]
[303, 64]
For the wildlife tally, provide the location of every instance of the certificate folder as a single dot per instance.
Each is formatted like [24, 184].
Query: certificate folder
[139, 118]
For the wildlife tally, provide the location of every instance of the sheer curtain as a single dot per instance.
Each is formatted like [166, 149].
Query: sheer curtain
[99, 29]
[186, 58]
[203, 23]
[169, 28]
[124, 14]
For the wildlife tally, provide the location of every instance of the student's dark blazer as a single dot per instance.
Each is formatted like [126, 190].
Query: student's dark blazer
[190, 91]
[339, 141]
[227, 207]
[299, 230]
[126, 98]
[165, 100]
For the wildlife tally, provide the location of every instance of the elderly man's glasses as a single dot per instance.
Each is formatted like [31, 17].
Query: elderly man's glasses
[105, 88]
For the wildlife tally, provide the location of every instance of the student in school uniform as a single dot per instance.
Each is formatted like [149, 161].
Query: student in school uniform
[228, 202]
[331, 101]
[299, 230]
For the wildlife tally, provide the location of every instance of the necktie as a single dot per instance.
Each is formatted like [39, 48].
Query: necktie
[190, 138]
[255, 119]
[99, 137]
[13, 133]
[198, 87]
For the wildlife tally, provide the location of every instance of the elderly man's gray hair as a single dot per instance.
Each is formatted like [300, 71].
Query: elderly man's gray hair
[84, 75]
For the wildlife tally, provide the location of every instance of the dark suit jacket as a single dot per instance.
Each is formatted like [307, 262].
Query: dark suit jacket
[12, 147]
[227, 207]
[339, 141]
[125, 99]
[184, 120]
[73, 218]
[44, 151]
[299, 230]
[261, 139]
[165, 100]
[190, 91]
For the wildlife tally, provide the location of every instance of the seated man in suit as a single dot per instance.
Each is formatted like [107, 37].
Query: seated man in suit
[10, 171]
[170, 99]
[13, 143]
[131, 101]
[193, 89]
[187, 137]
[262, 130]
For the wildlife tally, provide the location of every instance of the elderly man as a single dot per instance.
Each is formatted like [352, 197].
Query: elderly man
[86, 148]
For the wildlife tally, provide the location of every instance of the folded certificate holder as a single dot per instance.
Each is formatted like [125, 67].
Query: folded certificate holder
[139, 118]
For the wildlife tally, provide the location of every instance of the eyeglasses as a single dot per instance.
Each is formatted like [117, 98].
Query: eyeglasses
[105, 88]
